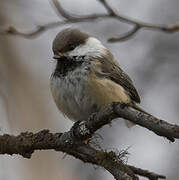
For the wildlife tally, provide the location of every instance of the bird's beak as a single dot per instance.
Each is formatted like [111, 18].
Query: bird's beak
[59, 55]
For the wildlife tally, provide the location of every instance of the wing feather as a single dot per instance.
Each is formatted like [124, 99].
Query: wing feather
[111, 70]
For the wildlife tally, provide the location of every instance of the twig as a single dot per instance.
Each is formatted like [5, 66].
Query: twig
[108, 8]
[125, 36]
[34, 33]
[146, 173]
[29, 34]
[71, 18]
[60, 11]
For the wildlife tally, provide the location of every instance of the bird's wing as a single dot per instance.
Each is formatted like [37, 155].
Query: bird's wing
[111, 70]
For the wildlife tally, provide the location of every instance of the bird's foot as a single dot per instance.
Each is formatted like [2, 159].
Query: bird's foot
[123, 105]
[74, 127]
[81, 131]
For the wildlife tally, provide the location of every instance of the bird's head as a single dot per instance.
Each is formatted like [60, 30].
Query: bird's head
[72, 42]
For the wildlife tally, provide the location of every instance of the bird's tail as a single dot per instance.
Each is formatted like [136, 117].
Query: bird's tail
[135, 106]
[130, 124]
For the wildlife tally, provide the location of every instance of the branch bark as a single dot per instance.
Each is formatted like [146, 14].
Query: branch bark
[72, 18]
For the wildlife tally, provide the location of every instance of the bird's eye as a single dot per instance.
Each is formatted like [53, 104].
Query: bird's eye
[72, 46]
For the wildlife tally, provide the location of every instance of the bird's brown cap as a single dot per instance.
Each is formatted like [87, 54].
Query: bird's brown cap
[68, 39]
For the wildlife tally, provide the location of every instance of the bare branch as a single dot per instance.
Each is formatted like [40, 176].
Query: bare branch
[26, 143]
[125, 36]
[72, 18]
[158, 126]
[110, 11]
[61, 11]
[119, 110]
[34, 33]
[146, 173]
[30, 34]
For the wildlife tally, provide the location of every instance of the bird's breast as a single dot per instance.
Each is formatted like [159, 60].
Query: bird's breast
[82, 92]
[71, 95]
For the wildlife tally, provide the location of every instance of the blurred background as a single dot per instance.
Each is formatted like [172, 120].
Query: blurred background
[26, 104]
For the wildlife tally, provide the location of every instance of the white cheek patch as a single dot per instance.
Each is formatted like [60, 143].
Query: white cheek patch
[92, 47]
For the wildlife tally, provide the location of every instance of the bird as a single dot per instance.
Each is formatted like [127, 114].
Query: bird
[87, 77]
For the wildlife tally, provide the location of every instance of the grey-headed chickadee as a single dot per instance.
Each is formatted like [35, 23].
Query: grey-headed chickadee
[87, 78]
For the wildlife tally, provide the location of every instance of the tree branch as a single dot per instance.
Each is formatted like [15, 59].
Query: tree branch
[108, 8]
[125, 36]
[26, 143]
[72, 142]
[146, 173]
[119, 110]
[71, 18]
